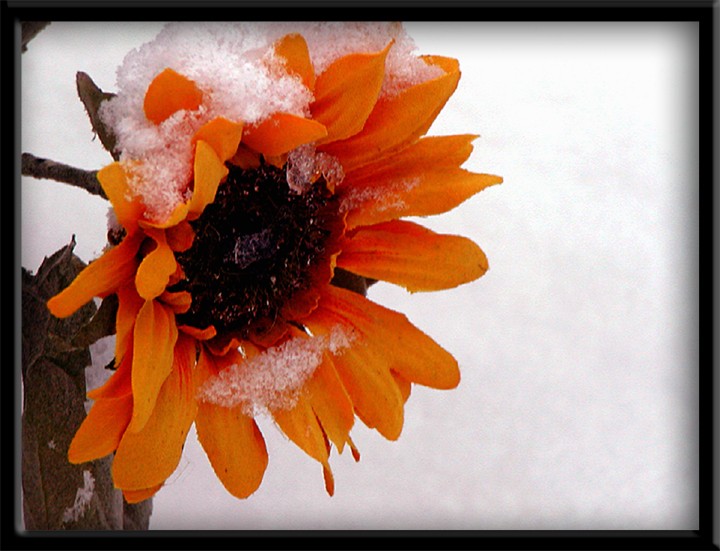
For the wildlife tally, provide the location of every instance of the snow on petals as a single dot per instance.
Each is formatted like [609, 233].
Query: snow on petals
[233, 66]
[271, 380]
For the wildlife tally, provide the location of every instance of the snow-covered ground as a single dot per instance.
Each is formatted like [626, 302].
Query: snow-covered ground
[578, 349]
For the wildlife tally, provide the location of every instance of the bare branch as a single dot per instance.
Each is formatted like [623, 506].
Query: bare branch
[92, 97]
[51, 170]
[30, 29]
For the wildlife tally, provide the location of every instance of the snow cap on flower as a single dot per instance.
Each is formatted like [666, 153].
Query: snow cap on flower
[240, 79]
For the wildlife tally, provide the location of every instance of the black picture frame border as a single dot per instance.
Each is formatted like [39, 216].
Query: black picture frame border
[703, 12]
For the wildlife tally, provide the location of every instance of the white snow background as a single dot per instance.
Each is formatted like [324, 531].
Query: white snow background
[577, 407]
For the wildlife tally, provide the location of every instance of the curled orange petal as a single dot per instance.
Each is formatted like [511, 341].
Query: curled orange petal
[179, 302]
[180, 237]
[224, 345]
[178, 214]
[113, 180]
[129, 304]
[155, 270]
[145, 459]
[102, 276]
[154, 337]
[168, 93]
[281, 133]
[199, 334]
[209, 171]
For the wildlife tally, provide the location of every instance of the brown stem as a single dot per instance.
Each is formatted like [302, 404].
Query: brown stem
[45, 168]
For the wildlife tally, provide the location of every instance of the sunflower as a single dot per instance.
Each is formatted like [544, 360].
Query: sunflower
[243, 294]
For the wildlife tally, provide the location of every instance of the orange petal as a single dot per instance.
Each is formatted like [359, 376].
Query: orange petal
[403, 384]
[179, 302]
[346, 92]
[176, 277]
[244, 158]
[331, 403]
[154, 336]
[420, 180]
[281, 133]
[101, 277]
[405, 348]
[146, 458]
[293, 50]
[268, 332]
[376, 398]
[329, 480]
[136, 496]
[209, 171]
[168, 93]
[178, 214]
[155, 270]
[119, 384]
[224, 345]
[234, 446]
[433, 192]
[278, 161]
[355, 452]
[398, 121]
[301, 425]
[113, 180]
[364, 372]
[428, 153]
[232, 441]
[222, 135]
[129, 304]
[410, 255]
[180, 237]
[199, 334]
[102, 429]
[425, 154]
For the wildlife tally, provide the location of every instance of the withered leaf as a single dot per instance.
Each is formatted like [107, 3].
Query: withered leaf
[57, 494]
[101, 325]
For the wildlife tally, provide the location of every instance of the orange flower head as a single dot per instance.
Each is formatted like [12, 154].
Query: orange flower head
[254, 207]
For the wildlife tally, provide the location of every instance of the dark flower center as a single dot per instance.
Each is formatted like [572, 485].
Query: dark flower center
[254, 248]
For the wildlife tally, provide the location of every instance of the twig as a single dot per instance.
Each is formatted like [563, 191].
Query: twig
[44, 168]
